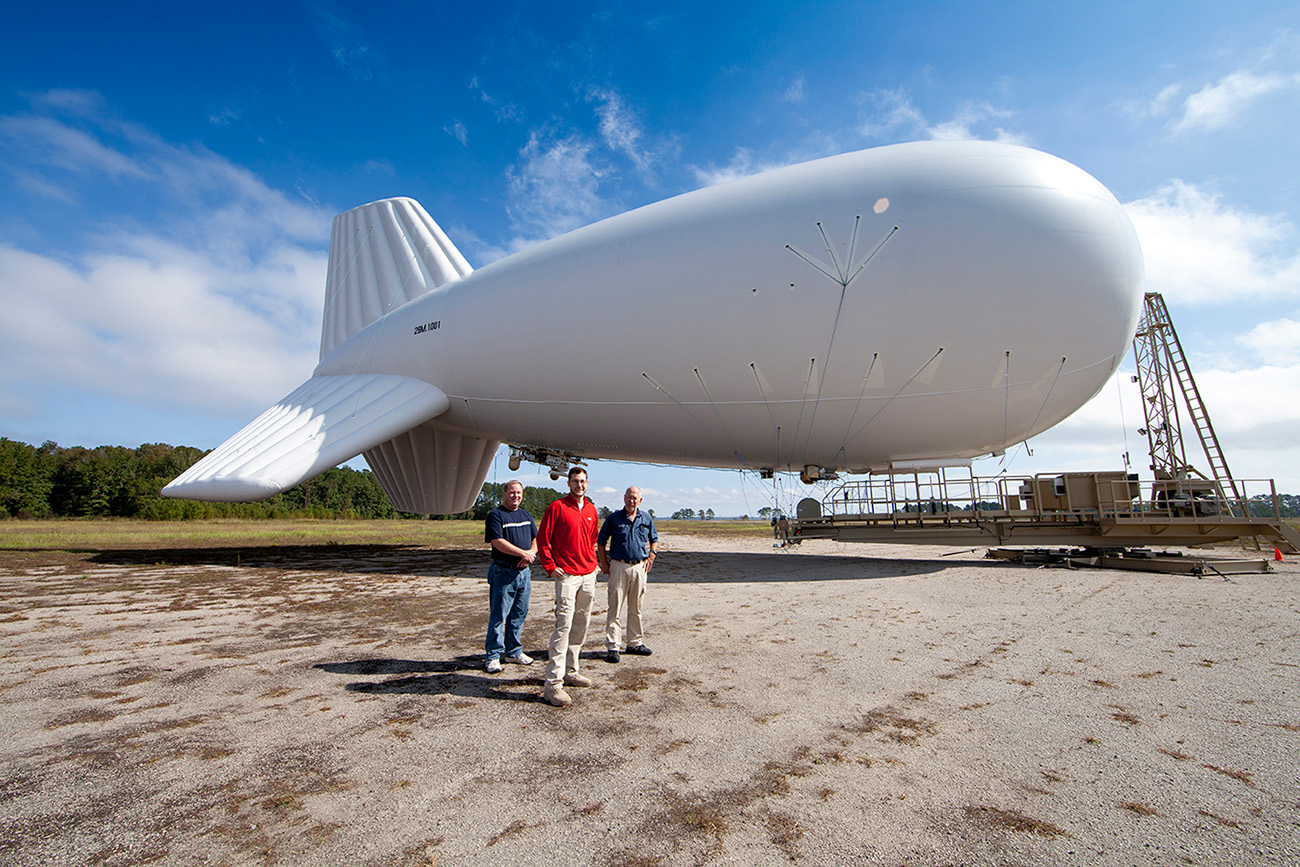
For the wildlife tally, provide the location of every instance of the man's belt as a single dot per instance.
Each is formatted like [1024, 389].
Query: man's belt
[630, 562]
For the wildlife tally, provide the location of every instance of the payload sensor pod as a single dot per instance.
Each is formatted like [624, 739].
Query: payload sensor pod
[923, 302]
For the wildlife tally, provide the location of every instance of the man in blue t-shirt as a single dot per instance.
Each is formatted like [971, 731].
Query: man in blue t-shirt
[632, 539]
[512, 533]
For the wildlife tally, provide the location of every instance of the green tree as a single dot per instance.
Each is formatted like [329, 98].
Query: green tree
[26, 478]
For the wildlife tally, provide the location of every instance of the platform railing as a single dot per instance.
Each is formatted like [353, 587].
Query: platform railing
[951, 496]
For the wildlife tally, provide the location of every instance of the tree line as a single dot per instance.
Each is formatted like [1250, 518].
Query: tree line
[50, 481]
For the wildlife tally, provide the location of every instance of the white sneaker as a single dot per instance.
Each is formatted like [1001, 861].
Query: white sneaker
[493, 666]
[520, 658]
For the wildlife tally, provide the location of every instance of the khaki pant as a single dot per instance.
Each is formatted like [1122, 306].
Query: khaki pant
[626, 583]
[573, 598]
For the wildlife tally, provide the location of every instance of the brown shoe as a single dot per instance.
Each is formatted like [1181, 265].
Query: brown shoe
[558, 698]
[576, 679]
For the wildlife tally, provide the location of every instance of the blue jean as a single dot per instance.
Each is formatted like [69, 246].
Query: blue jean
[508, 592]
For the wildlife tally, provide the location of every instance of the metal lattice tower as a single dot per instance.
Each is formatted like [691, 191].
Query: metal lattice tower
[1163, 375]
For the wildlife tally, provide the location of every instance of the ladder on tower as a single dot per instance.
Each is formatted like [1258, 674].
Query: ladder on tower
[1162, 367]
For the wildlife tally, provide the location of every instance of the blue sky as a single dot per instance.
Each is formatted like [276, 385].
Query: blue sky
[168, 173]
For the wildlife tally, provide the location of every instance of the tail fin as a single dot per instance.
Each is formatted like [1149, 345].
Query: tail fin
[382, 255]
[322, 423]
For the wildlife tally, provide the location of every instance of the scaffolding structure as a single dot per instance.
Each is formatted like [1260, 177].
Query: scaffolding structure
[1164, 376]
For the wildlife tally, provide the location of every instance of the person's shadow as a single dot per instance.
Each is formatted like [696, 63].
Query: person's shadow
[460, 676]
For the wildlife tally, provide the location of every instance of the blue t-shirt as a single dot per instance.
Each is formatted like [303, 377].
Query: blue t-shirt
[629, 538]
[517, 527]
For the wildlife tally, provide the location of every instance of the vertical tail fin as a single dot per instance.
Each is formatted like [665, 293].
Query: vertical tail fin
[382, 255]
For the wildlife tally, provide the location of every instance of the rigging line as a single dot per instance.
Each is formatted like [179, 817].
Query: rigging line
[697, 420]
[1006, 405]
[835, 325]
[1047, 397]
[835, 260]
[853, 243]
[768, 406]
[872, 254]
[714, 406]
[1123, 425]
[837, 278]
[812, 365]
[853, 417]
[892, 397]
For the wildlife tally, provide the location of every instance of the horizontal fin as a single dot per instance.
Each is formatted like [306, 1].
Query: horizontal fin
[325, 421]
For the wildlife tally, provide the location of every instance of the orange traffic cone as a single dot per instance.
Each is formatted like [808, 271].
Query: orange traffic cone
[1277, 553]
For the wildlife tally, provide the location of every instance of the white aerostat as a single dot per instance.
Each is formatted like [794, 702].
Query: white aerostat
[907, 306]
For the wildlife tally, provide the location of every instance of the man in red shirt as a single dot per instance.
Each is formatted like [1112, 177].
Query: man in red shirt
[566, 548]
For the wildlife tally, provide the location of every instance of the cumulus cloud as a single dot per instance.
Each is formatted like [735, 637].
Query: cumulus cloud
[214, 307]
[1219, 105]
[1200, 250]
[1277, 340]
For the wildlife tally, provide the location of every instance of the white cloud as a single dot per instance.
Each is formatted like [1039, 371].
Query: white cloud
[1255, 413]
[554, 189]
[794, 93]
[346, 46]
[1276, 340]
[504, 111]
[892, 113]
[619, 126]
[624, 134]
[1218, 105]
[49, 142]
[890, 110]
[458, 132]
[217, 308]
[741, 165]
[1199, 250]
[970, 114]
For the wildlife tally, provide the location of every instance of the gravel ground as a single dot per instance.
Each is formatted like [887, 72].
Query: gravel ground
[873, 705]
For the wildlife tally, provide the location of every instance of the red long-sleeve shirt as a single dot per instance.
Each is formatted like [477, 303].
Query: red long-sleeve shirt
[566, 539]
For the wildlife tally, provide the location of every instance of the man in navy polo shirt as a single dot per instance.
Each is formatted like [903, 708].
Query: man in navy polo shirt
[632, 539]
[512, 533]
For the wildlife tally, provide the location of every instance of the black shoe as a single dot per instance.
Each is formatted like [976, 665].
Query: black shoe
[611, 656]
[639, 649]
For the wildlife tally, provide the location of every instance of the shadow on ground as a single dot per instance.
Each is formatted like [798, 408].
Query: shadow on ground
[684, 567]
[441, 677]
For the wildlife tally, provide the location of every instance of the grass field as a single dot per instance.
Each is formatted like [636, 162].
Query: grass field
[107, 534]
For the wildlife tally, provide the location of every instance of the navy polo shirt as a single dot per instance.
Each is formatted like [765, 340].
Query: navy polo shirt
[629, 538]
[517, 528]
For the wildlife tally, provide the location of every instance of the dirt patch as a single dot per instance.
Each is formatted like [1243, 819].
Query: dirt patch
[318, 705]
